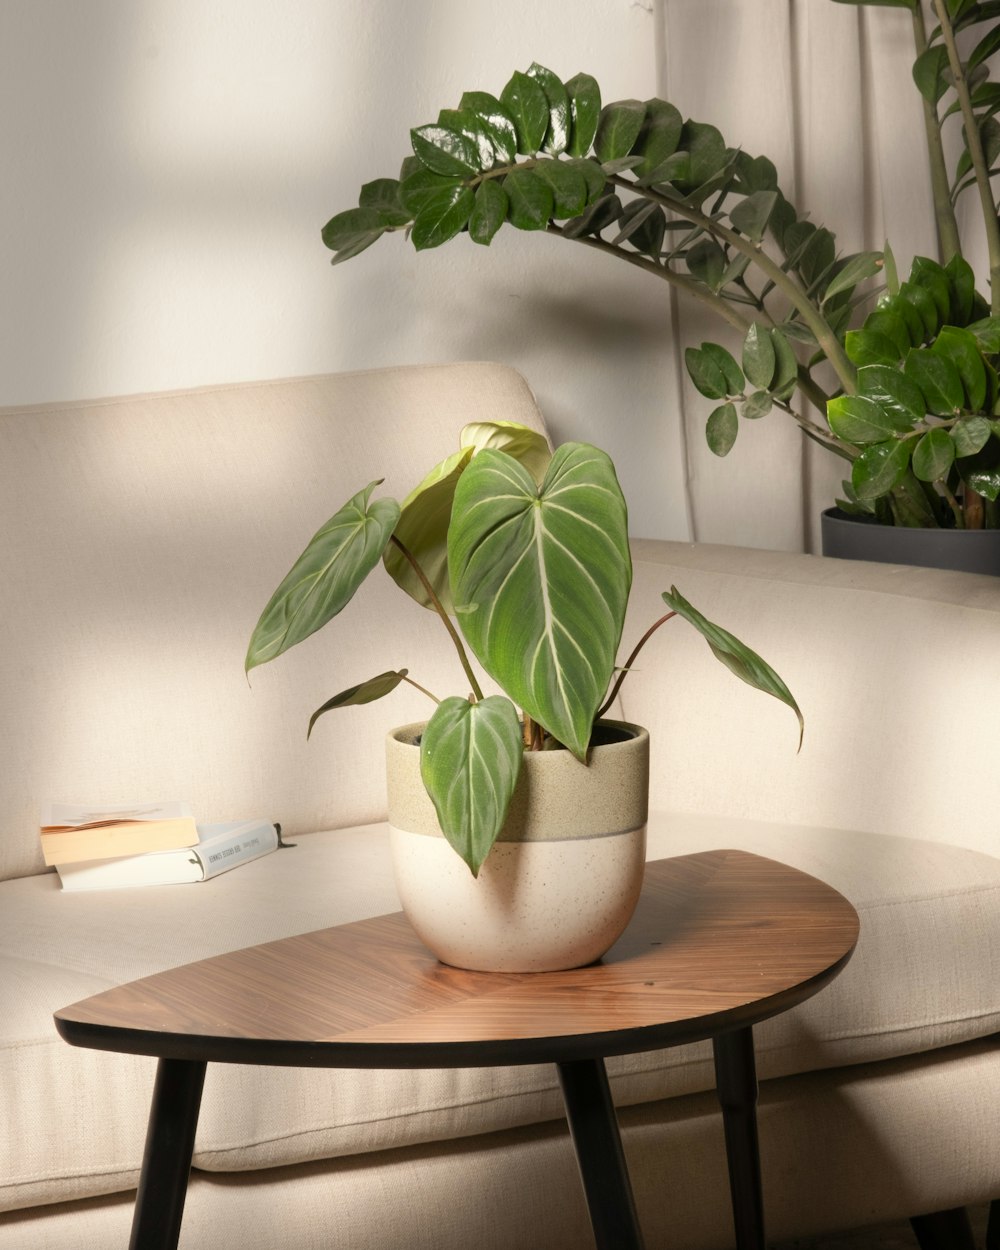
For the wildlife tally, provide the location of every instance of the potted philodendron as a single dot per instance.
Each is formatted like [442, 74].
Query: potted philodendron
[543, 801]
[896, 376]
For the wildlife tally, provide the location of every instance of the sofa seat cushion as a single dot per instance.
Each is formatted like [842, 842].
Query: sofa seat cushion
[921, 978]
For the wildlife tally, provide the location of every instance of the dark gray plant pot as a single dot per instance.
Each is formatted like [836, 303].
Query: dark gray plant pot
[855, 538]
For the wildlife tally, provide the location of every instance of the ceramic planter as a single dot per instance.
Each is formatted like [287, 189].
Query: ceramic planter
[853, 538]
[561, 882]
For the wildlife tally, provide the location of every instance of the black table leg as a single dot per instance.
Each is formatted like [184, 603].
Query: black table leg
[593, 1126]
[166, 1163]
[736, 1084]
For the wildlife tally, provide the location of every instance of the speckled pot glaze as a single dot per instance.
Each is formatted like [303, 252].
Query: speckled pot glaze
[562, 880]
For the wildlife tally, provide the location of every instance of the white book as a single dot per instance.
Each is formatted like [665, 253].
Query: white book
[219, 848]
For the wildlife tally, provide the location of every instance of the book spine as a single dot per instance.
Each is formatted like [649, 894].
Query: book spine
[240, 848]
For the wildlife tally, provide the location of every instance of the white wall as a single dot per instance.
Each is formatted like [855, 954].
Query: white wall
[168, 164]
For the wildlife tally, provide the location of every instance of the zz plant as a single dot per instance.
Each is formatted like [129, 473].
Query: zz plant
[899, 378]
[528, 551]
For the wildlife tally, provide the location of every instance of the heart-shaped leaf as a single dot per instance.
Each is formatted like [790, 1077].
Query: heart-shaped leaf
[737, 657]
[470, 759]
[541, 577]
[323, 579]
[426, 510]
[365, 692]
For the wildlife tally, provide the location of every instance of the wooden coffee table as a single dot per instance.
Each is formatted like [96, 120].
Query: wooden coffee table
[719, 941]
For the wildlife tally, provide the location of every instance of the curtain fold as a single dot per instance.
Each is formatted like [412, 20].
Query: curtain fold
[825, 91]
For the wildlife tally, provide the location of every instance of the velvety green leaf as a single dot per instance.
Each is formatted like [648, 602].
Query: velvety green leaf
[963, 289]
[721, 429]
[920, 298]
[750, 216]
[858, 420]
[659, 136]
[758, 405]
[892, 325]
[470, 759]
[867, 347]
[353, 230]
[786, 374]
[443, 216]
[759, 359]
[970, 435]
[468, 123]
[496, 123]
[426, 511]
[987, 334]
[423, 187]
[367, 692]
[879, 469]
[383, 196]
[618, 129]
[747, 665]
[322, 581]
[933, 455]
[938, 378]
[706, 261]
[525, 101]
[930, 73]
[585, 111]
[541, 577]
[531, 201]
[445, 152]
[557, 135]
[423, 530]
[599, 215]
[489, 211]
[856, 269]
[568, 186]
[961, 348]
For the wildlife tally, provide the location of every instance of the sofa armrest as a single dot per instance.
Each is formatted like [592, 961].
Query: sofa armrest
[896, 670]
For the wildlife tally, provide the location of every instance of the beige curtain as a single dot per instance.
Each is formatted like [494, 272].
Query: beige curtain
[825, 90]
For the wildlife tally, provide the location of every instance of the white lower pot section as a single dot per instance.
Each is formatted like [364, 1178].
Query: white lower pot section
[563, 879]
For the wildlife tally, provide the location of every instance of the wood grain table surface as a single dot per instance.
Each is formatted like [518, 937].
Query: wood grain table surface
[719, 941]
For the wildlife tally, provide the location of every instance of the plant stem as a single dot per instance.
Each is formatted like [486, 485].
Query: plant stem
[436, 602]
[825, 337]
[975, 146]
[423, 689]
[627, 666]
[687, 285]
[949, 243]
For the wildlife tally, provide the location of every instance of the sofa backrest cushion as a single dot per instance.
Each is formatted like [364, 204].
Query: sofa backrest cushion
[143, 536]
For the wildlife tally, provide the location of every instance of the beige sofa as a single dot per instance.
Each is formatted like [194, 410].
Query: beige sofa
[141, 537]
